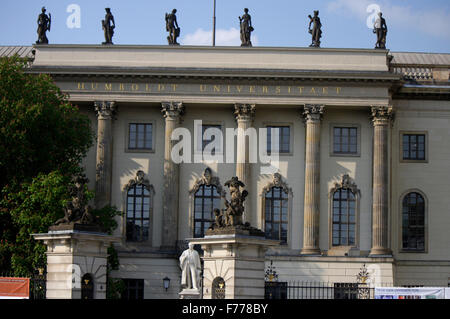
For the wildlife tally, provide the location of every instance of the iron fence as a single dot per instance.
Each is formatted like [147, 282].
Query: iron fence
[318, 290]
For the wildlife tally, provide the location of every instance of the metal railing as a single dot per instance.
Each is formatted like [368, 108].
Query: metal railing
[317, 290]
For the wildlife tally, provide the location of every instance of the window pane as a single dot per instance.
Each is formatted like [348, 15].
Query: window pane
[345, 140]
[414, 146]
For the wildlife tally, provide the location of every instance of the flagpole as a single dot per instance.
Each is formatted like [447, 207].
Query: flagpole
[214, 25]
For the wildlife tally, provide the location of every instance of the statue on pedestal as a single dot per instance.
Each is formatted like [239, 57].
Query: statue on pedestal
[316, 30]
[380, 29]
[235, 207]
[77, 211]
[190, 268]
[229, 220]
[172, 27]
[44, 24]
[246, 29]
[108, 26]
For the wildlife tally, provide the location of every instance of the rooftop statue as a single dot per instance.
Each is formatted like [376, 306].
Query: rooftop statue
[44, 24]
[316, 30]
[172, 27]
[380, 28]
[108, 26]
[246, 29]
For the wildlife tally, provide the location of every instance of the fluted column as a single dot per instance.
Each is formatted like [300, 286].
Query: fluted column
[311, 211]
[105, 115]
[245, 114]
[172, 112]
[381, 118]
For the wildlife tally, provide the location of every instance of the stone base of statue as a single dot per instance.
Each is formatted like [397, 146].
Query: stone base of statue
[234, 262]
[190, 294]
[76, 261]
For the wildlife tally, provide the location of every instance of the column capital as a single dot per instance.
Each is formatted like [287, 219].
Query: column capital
[172, 109]
[244, 111]
[381, 115]
[105, 110]
[313, 112]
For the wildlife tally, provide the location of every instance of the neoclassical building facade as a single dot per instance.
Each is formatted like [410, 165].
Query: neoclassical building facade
[363, 176]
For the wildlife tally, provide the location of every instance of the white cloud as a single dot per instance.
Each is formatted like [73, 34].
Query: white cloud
[432, 22]
[230, 37]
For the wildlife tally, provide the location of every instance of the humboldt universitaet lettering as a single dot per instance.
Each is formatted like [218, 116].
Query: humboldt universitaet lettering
[200, 89]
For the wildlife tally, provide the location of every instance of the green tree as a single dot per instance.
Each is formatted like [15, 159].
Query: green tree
[43, 139]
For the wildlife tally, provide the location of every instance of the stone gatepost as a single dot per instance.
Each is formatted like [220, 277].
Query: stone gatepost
[234, 264]
[76, 259]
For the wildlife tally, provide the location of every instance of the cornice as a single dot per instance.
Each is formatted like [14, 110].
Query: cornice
[217, 74]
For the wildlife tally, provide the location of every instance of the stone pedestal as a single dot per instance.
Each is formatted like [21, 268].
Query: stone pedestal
[190, 294]
[234, 265]
[73, 256]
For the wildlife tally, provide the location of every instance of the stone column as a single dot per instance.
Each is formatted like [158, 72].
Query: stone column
[381, 118]
[311, 211]
[172, 112]
[245, 114]
[105, 115]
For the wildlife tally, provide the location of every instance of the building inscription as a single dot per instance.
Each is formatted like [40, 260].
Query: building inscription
[200, 89]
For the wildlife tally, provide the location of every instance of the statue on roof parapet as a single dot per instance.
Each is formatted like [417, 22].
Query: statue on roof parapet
[380, 29]
[246, 29]
[172, 27]
[316, 31]
[108, 26]
[44, 24]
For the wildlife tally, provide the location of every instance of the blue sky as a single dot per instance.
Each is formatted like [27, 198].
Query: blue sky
[414, 25]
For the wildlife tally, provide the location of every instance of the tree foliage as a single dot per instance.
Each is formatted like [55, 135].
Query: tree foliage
[43, 139]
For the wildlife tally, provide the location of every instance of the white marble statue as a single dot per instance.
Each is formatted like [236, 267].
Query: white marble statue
[190, 268]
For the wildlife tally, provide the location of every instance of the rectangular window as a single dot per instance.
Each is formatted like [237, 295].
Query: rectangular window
[284, 133]
[345, 140]
[134, 289]
[413, 147]
[140, 136]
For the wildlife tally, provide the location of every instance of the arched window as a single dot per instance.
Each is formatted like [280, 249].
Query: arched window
[344, 213]
[413, 222]
[276, 209]
[276, 214]
[344, 218]
[206, 195]
[138, 208]
[206, 199]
